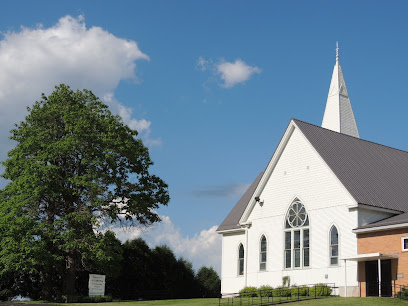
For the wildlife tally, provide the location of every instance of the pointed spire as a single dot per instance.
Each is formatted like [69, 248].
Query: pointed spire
[337, 52]
[338, 115]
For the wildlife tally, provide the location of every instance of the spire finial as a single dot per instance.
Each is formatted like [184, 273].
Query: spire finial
[337, 51]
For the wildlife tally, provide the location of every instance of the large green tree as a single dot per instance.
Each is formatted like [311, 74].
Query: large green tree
[74, 166]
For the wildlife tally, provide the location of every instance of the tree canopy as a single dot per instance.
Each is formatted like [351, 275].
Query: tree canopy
[74, 166]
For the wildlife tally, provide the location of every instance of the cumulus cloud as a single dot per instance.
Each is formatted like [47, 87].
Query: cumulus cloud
[231, 73]
[203, 249]
[228, 190]
[235, 73]
[34, 60]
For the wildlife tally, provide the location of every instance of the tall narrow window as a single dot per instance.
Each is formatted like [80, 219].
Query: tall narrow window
[297, 245]
[334, 246]
[241, 260]
[306, 247]
[288, 250]
[262, 254]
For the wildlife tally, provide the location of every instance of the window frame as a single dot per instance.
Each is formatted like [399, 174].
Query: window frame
[301, 249]
[331, 245]
[241, 245]
[402, 244]
[261, 252]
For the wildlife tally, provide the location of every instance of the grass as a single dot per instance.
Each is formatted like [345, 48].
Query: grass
[186, 302]
[331, 301]
[369, 301]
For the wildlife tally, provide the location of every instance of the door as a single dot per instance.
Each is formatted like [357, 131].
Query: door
[371, 272]
[386, 282]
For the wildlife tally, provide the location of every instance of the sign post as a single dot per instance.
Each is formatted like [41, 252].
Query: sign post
[96, 285]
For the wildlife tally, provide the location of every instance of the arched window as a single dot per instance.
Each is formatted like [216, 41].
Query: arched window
[334, 246]
[241, 259]
[262, 253]
[297, 254]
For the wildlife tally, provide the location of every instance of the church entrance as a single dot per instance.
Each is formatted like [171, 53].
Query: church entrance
[373, 277]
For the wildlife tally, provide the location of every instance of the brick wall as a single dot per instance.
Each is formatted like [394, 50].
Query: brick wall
[385, 242]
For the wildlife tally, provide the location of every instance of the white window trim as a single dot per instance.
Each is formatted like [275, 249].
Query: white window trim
[291, 230]
[239, 261]
[402, 243]
[338, 246]
[260, 254]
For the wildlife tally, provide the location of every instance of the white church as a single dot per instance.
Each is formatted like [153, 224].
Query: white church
[329, 208]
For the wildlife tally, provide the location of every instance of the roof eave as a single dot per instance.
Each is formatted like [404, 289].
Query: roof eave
[380, 228]
[375, 208]
[229, 231]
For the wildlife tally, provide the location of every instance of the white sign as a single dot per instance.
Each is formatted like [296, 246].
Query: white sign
[96, 285]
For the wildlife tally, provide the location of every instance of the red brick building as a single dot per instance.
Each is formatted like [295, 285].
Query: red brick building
[382, 256]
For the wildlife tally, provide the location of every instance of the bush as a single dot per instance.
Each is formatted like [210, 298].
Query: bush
[320, 290]
[249, 291]
[281, 291]
[5, 294]
[300, 291]
[95, 299]
[403, 294]
[265, 291]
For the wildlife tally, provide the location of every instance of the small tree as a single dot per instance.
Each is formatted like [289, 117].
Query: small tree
[74, 164]
[209, 282]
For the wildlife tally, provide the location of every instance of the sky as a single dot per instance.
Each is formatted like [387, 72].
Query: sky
[210, 85]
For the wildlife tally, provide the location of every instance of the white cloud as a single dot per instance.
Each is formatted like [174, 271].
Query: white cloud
[231, 73]
[202, 63]
[203, 249]
[235, 73]
[34, 60]
[142, 125]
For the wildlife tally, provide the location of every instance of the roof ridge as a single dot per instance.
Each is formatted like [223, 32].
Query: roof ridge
[376, 143]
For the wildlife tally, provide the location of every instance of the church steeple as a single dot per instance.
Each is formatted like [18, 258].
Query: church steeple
[338, 115]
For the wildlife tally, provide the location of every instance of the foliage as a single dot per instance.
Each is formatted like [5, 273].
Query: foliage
[248, 291]
[209, 281]
[320, 290]
[403, 294]
[286, 281]
[265, 291]
[138, 265]
[5, 294]
[157, 273]
[75, 166]
[282, 291]
[300, 291]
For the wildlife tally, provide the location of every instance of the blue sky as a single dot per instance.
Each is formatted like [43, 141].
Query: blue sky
[211, 85]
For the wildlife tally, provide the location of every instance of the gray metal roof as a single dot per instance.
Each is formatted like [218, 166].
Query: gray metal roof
[394, 220]
[231, 221]
[374, 174]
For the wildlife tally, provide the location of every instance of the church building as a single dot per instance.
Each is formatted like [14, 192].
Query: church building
[329, 208]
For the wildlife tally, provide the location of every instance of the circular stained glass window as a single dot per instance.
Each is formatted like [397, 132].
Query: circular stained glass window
[297, 215]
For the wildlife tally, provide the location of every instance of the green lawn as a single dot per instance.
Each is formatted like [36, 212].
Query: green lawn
[320, 301]
[187, 302]
[336, 301]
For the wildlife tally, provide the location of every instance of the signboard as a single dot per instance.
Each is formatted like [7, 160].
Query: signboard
[96, 285]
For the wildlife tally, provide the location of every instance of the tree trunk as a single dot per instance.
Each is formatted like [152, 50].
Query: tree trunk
[69, 279]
